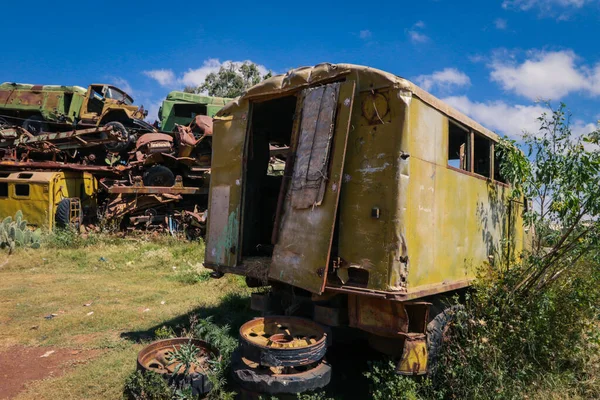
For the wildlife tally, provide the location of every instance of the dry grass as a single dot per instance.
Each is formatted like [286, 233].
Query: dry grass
[133, 287]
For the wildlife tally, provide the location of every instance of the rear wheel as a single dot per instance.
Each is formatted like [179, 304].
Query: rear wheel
[35, 125]
[437, 334]
[124, 139]
[63, 213]
[159, 175]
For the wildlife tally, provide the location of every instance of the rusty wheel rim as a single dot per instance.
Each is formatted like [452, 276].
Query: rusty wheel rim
[282, 333]
[155, 356]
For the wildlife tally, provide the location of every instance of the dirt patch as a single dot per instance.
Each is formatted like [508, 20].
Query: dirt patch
[21, 365]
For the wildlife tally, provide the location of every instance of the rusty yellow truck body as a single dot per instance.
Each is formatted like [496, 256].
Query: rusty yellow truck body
[38, 194]
[53, 108]
[389, 196]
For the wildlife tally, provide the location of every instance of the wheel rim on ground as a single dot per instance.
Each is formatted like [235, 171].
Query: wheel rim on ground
[155, 358]
[281, 341]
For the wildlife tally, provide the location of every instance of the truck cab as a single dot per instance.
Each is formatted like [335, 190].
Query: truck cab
[49, 198]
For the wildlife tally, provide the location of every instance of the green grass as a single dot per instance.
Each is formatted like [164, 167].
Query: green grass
[134, 286]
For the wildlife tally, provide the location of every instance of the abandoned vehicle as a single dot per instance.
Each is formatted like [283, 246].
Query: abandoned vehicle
[52, 108]
[389, 201]
[49, 198]
[181, 108]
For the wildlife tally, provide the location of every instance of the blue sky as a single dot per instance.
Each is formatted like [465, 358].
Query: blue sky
[491, 59]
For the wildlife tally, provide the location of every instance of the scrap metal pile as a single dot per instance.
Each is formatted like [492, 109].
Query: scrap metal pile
[146, 179]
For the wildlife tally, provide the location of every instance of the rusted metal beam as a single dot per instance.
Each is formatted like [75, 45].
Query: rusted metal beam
[156, 190]
[61, 166]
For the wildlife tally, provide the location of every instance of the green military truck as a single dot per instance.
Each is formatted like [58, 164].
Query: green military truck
[53, 108]
[181, 108]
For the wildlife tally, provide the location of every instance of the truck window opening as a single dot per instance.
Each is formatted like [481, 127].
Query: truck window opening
[22, 190]
[3, 189]
[482, 155]
[458, 147]
[189, 110]
[271, 129]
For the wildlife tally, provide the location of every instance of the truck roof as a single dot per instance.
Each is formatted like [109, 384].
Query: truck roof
[304, 77]
[28, 176]
[49, 88]
[196, 98]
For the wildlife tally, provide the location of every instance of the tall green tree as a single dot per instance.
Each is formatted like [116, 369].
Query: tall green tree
[232, 79]
[560, 172]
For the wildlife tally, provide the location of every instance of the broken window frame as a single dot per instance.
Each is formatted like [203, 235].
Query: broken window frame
[465, 156]
[471, 154]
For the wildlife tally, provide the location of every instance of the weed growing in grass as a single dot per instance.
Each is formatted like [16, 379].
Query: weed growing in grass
[219, 337]
[386, 384]
[146, 386]
[190, 274]
[164, 332]
[184, 357]
[69, 239]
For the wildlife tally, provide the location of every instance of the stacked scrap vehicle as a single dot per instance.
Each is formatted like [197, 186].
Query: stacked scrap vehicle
[146, 178]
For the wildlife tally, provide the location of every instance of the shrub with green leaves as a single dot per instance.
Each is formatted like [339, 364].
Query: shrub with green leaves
[184, 357]
[386, 384]
[15, 233]
[146, 386]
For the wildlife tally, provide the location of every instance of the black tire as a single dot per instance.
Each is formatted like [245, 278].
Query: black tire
[264, 380]
[437, 333]
[126, 140]
[63, 211]
[159, 175]
[36, 124]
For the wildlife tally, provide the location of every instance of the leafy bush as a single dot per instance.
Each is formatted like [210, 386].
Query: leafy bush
[146, 386]
[386, 384]
[164, 332]
[219, 337]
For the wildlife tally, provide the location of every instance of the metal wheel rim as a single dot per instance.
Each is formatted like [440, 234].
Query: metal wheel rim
[282, 333]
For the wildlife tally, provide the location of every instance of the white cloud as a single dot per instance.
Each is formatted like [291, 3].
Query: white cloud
[500, 24]
[499, 116]
[511, 119]
[193, 77]
[365, 34]
[417, 37]
[165, 77]
[579, 127]
[543, 4]
[123, 84]
[559, 9]
[153, 107]
[547, 75]
[415, 34]
[444, 80]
